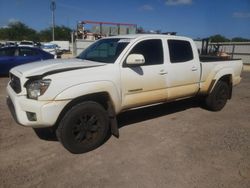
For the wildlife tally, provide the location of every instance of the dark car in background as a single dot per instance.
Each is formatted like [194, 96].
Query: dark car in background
[14, 56]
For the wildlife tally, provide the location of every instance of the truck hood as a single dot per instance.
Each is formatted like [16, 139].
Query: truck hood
[49, 67]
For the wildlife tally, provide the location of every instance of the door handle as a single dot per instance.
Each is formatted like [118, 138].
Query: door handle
[194, 69]
[163, 72]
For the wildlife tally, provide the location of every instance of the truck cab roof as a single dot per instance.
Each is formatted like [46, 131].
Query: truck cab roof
[138, 36]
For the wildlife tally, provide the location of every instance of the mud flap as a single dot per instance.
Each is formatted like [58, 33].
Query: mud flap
[113, 120]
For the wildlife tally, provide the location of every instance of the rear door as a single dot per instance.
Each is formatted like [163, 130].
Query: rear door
[145, 84]
[183, 70]
[26, 55]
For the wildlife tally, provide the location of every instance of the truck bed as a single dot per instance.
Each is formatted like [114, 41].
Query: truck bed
[215, 68]
[210, 58]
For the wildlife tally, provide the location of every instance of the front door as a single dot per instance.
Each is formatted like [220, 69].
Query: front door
[145, 84]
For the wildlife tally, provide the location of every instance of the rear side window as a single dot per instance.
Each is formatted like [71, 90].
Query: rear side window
[151, 50]
[180, 51]
[7, 52]
[27, 52]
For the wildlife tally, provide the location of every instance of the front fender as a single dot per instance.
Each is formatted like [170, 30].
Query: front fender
[92, 88]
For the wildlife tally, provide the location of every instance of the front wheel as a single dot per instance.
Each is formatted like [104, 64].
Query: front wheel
[84, 127]
[217, 99]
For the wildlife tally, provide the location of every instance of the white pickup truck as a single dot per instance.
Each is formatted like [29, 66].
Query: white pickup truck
[79, 98]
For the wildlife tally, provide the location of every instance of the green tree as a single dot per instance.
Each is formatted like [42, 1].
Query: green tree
[18, 31]
[240, 39]
[4, 34]
[218, 38]
[61, 33]
[45, 35]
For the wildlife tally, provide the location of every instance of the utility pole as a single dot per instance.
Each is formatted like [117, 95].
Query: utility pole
[53, 8]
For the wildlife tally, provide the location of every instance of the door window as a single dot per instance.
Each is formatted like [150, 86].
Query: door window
[180, 51]
[105, 50]
[151, 50]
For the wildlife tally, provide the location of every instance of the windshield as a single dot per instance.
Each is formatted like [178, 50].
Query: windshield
[104, 50]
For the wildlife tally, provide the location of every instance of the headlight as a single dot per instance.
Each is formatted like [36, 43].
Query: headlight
[37, 88]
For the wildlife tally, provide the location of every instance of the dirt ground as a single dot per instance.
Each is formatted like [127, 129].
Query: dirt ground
[177, 145]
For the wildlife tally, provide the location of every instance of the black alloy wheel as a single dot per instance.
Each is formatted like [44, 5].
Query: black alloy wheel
[84, 127]
[217, 99]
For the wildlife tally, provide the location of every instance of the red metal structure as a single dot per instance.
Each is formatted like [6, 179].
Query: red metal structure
[109, 23]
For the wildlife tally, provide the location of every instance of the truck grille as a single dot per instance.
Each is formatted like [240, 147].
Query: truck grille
[15, 83]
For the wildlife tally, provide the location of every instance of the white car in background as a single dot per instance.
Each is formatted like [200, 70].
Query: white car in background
[27, 43]
[52, 48]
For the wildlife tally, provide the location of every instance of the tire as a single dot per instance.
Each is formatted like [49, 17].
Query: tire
[84, 127]
[217, 99]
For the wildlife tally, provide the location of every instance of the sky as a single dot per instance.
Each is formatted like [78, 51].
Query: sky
[192, 18]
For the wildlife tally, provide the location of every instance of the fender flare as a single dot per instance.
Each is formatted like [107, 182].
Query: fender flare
[220, 74]
[83, 89]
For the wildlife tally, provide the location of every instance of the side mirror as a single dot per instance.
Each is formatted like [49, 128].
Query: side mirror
[135, 59]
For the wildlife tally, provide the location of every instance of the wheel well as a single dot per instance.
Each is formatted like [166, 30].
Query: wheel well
[102, 98]
[228, 79]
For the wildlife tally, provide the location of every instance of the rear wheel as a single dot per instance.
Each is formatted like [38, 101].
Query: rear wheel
[217, 99]
[84, 127]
